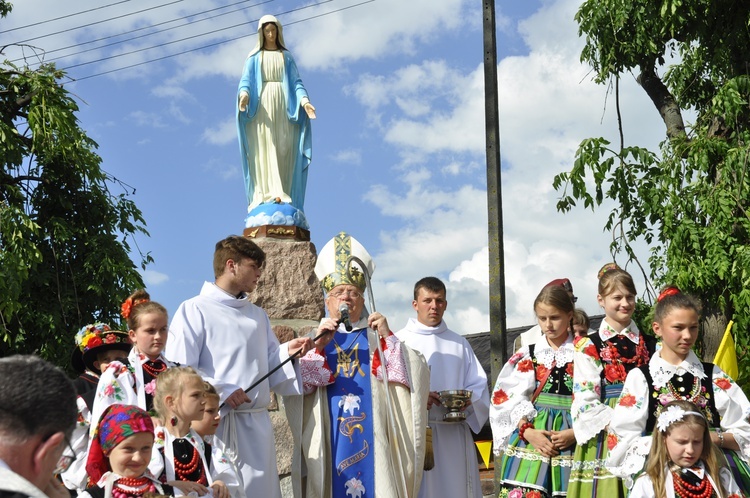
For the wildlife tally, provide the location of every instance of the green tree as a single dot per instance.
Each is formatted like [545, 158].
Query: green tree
[64, 252]
[688, 200]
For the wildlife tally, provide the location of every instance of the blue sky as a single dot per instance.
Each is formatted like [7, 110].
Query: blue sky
[398, 145]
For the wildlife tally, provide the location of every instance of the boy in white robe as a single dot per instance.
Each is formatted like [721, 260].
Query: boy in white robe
[229, 341]
[453, 365]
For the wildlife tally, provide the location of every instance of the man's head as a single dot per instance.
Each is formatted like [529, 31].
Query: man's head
[238, 263]
[37, 416]
[342, 279]
[429, 301]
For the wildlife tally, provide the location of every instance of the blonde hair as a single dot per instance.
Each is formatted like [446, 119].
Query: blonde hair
[170, 383]
[614, 278]
[659, 464]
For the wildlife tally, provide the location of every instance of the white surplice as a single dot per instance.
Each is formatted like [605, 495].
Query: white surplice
[453, 365]
[231, 344]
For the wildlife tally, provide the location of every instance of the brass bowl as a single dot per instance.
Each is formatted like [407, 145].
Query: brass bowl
[454, 400]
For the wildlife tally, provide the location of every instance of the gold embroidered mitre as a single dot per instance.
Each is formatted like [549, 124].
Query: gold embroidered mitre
[331, 268]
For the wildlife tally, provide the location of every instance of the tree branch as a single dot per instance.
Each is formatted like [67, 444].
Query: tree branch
[664, 102]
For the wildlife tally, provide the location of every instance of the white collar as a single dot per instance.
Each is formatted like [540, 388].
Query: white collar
[414, 325]
[213, 291]
[631, 332]
[549, 357]
[662, 372]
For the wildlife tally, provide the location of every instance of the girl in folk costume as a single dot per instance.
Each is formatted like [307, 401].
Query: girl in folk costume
[186, 462]
[602, 361]
[119, 456]
[134, 382]
[97, 345]
[675, 373]
[683, 462]
[530, 412]
[206, 427]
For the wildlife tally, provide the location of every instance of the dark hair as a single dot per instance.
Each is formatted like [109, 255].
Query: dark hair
[236, 247]
[36, 398]
[672, 298]
[141, 304]
[581, 318]
[432, 284]
[556, 296]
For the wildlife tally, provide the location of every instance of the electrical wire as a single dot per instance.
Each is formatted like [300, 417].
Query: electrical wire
[99, 22]
[46, 52]
[218, 43]
[63, 17]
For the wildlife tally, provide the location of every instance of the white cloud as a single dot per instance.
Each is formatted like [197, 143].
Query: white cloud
[221, 134]
[547, 106]
[147, 119]
[151, 277]
[348, 156]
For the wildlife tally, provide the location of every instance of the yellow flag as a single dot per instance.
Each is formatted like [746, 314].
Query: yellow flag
[726, 355]
[484, 448]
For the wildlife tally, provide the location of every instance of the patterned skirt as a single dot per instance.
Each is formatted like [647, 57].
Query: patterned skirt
[589, 476]
[524, 469]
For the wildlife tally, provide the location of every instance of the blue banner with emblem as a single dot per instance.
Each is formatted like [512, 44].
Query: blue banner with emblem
[350, 410]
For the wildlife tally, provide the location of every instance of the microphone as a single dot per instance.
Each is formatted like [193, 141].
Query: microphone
[344, 311]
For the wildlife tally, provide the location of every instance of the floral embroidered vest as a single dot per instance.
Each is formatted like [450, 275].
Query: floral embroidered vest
[686, 387]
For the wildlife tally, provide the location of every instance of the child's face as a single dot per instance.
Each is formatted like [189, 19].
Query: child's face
[151, 335]
[553, 321]
[618, 306]
[104, 359]
[190, 404]
[685, 444]
[678, 331]
[210, 422]
[130, 458]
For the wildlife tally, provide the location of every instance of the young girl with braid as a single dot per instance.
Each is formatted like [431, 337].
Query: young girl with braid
[602, 361]
[530, 411]
[683, 461]
[675, 373]
[134, 381]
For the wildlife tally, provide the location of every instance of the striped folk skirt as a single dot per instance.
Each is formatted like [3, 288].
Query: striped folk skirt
[526, 473]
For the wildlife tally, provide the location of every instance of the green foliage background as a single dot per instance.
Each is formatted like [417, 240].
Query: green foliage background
[689, 200]
[64, 234]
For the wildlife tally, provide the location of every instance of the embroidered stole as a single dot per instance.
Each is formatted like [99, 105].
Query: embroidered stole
[350, 411]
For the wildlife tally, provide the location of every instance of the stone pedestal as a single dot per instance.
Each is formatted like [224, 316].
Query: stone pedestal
[288, 288]
[290, 293]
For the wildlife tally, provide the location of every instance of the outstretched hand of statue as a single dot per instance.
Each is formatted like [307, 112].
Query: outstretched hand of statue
[309, 109]
[245, 99]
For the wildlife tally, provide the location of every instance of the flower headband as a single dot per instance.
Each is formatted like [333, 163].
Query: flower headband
[129, 304]
[672, 415]
[669, 291]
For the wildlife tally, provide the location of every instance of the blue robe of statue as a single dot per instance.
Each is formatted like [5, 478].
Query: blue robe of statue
[257, 128]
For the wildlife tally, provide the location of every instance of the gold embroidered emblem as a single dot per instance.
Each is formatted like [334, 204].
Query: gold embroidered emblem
[347, 364]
